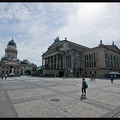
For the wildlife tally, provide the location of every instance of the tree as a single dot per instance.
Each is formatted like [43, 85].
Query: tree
[28, 71]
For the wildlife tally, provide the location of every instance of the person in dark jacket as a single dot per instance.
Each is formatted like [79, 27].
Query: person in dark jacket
[111, 79]
[5, 76]
[83, 88]
[1, 76]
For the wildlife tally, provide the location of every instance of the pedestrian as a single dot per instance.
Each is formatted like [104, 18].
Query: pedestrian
[84, 86]
[55, 75]
[94, 78]
[115, 76]
[5, 76]
[1, 76]
[111, 79]
[90, 77]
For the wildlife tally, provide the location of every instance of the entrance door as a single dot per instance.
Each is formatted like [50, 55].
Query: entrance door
[61, 73]
[77, 74]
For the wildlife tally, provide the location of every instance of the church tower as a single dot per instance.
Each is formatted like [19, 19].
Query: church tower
[11, 50]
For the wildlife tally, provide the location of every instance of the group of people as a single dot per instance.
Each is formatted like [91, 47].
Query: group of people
[2, 76]
[92, 77]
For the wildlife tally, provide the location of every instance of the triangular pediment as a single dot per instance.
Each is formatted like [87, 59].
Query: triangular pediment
[55, 43]
[113, 47]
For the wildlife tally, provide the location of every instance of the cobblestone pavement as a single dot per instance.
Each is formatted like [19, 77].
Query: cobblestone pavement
[28, 96]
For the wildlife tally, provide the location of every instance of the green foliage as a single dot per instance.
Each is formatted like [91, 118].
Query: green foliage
[28, 71]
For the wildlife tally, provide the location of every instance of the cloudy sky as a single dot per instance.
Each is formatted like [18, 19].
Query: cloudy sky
[35, 25]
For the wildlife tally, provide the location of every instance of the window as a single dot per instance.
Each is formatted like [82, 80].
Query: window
[106, 63]
[94, 56]
[117, 65]
[69, 57]
[89, 63]
[85, 65]
[117, 59]
[114, 58]
[91, 56]
[111, 64]
[111, 57]
[87, 57]
[94, 63]
[105, 55]
[70, 64]
[114, 64]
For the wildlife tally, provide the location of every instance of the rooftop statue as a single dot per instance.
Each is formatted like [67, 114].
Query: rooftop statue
[56, 39]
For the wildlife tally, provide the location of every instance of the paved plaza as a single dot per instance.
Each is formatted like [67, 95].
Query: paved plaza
[32, 97]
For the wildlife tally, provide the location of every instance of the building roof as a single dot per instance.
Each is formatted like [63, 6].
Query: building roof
[11, 42]
[25, 62]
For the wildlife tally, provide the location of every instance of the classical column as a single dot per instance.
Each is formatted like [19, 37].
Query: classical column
[53, 62]
[57, 63]
[64, 62]
[45, 60]
[50, 62]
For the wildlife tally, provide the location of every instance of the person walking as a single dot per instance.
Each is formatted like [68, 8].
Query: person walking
[90, 77]
[94, 77]
[111, 79]
[2, 76]
[115, 76]
[5, 76]
[84, 86]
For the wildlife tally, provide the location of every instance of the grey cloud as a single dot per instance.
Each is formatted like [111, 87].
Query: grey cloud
[14, 12]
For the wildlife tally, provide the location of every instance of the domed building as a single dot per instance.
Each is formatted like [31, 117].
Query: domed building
[10, 63]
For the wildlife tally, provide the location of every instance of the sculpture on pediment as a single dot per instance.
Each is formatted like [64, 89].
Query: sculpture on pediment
[56, 39]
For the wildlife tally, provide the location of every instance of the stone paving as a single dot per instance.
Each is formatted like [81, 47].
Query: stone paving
[33, 97]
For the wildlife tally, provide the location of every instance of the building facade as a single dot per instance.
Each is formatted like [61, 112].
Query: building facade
[65, 58]
[10, 61]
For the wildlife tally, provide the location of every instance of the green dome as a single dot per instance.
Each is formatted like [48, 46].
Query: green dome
[12, 43]
[25, 62]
